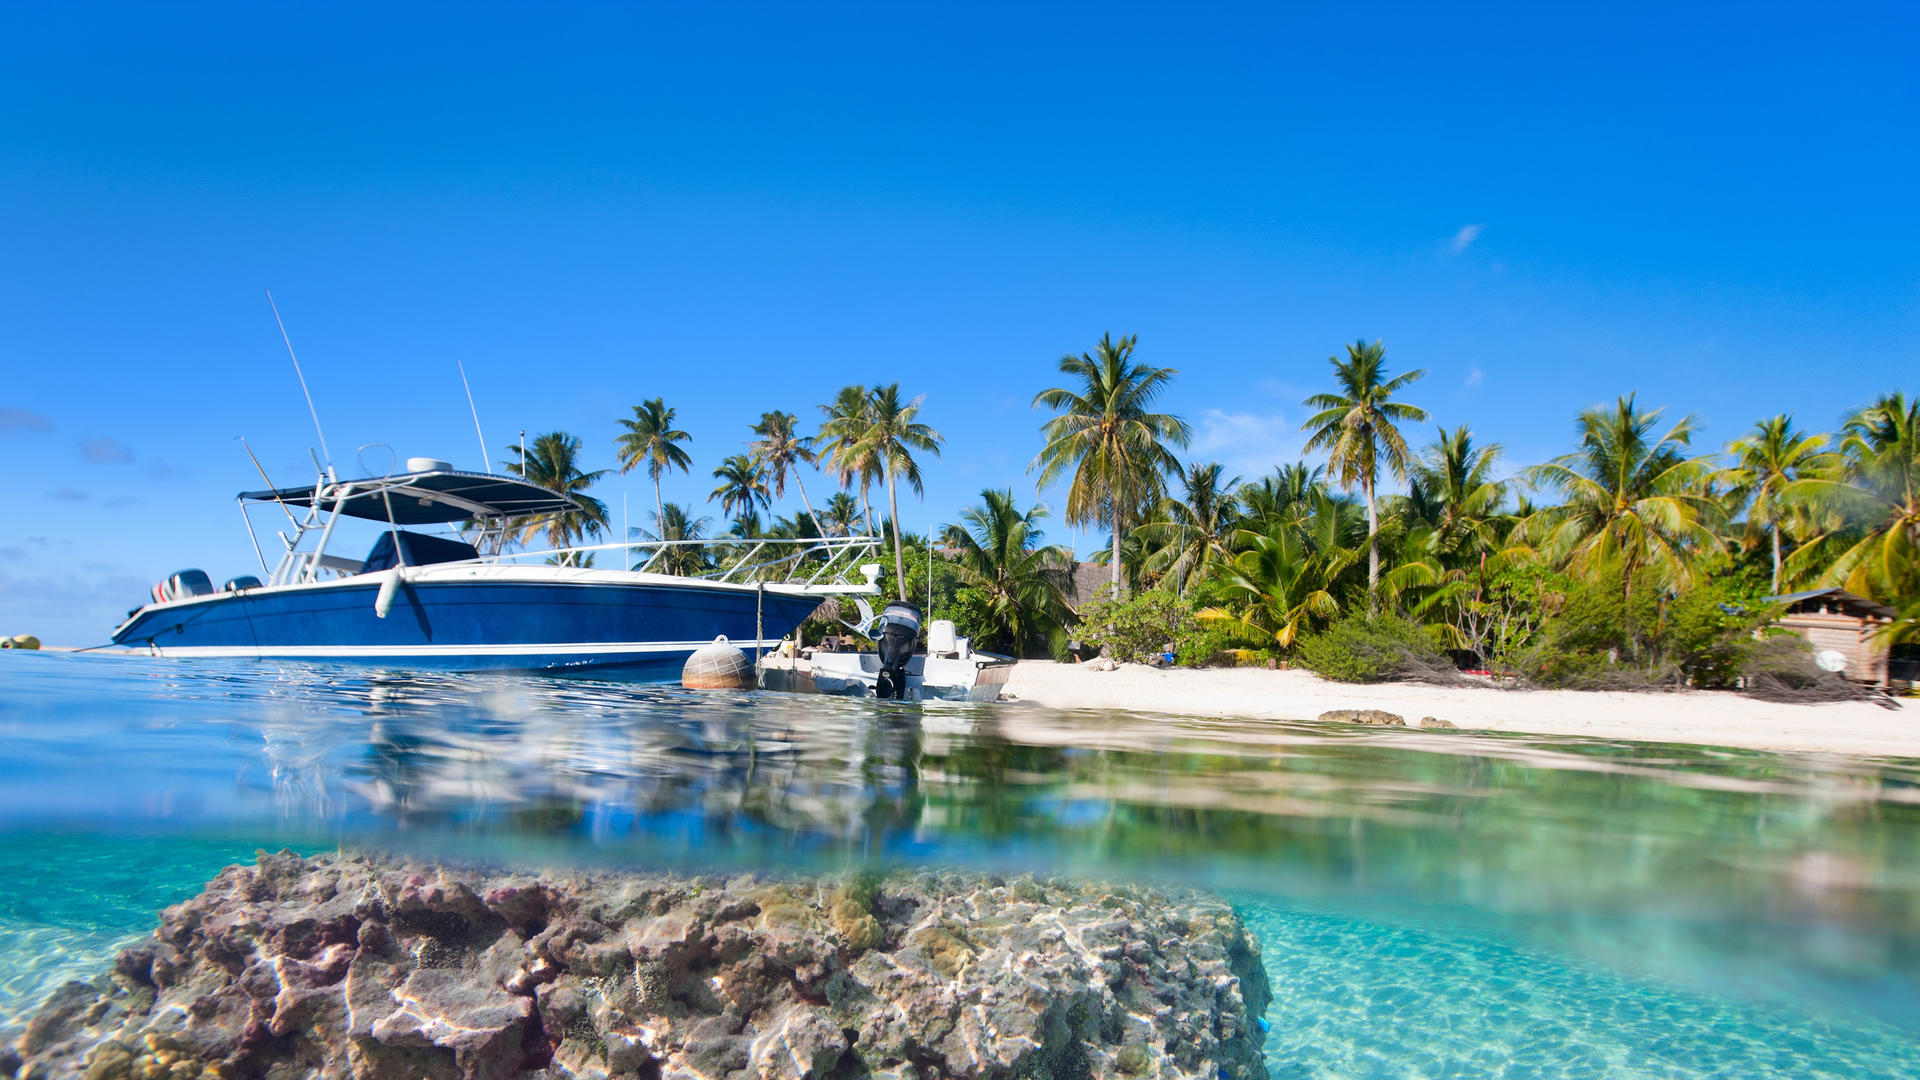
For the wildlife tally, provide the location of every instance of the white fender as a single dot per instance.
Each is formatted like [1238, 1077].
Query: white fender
[383, 601]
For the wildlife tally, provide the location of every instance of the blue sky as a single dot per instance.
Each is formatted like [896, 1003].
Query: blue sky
[743, 208]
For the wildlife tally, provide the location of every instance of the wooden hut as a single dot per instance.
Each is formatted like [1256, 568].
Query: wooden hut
[1838, 620]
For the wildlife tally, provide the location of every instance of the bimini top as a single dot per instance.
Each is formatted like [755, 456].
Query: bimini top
[425, 498]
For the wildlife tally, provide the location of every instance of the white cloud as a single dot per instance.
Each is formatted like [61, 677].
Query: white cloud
[22, 420]
[1250, 444]
[105, 450]
[1474, 375]
[1464, 239]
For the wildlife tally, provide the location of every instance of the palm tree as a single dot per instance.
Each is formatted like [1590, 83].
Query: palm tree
[891, 435]
[997, 549]
[782, 450]
[1876, 486]
[1280, 582]
[1108, 436]
[1451, 487]
[841, 514]
[1631, 499]
[839, 443]
[743, 485]
[1456, 543]
[672, 523]
[1193, 530]
[1356, 429]
[652, 439]
[1285, 496]
[1766, 462]
[553, 462]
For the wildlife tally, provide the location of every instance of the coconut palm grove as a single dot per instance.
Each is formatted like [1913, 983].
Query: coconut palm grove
[1640, 558]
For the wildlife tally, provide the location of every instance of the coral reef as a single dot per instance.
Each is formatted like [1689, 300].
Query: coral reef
[1379, 717]
[370, 967]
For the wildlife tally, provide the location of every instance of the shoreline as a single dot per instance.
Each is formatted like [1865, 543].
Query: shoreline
[1704, 717]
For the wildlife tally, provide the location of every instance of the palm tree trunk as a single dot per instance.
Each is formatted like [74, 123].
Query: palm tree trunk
[868, 505]
[899, 560]
[659, 509]
[1373, 553]
[1776, 559]
[797, 482]
[1119, 523]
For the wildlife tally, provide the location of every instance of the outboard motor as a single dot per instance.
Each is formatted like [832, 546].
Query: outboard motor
[899, 631]
[182, 585]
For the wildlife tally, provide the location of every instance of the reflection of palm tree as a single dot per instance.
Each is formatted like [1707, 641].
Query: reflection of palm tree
[1632, 500]
[553, 462]
[671, 524]
[1875, 491]
[996, 549]
[1356, 429]
[743, 485]
[1108, 437]
[1766, 462]
[782, 450]
[652, 439]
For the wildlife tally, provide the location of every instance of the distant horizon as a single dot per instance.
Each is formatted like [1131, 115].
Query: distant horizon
[1545, 209]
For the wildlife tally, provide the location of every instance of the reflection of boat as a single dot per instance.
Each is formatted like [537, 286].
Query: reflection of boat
[949, 671]
[423, 600]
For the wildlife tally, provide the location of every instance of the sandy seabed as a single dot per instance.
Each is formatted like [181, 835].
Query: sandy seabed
[1708, 717]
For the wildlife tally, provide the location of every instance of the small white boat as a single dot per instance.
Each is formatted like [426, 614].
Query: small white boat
[950, 671]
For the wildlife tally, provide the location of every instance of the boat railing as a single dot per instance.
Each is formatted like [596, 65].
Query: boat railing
[834, 560]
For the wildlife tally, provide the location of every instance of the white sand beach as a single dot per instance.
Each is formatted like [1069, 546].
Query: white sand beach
[1708, 717]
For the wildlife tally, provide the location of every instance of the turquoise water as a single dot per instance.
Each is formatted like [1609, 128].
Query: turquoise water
[1431, 905]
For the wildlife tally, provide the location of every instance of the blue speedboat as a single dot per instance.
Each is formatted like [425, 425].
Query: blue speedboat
[460, 599]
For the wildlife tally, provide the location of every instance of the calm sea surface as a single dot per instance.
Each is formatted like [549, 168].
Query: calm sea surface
[1431, 904]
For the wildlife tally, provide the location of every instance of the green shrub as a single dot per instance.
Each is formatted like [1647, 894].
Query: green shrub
[1555, 665]
[1137, 629]
[1373, 648]
[1197, 645]
[1604, 638]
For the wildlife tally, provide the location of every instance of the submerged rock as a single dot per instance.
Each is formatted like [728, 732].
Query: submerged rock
[368, 967]
[1378, 717]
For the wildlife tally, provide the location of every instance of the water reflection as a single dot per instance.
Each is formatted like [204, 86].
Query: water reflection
[1775, 866]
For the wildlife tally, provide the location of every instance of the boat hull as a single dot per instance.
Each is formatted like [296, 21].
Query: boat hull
[636, 629]
[978, 677]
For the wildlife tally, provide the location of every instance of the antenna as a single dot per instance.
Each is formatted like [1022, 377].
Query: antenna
[328, 454]
[485, 466]
[263, 476]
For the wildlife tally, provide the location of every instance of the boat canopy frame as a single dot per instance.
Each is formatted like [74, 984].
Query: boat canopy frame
[493, 509]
